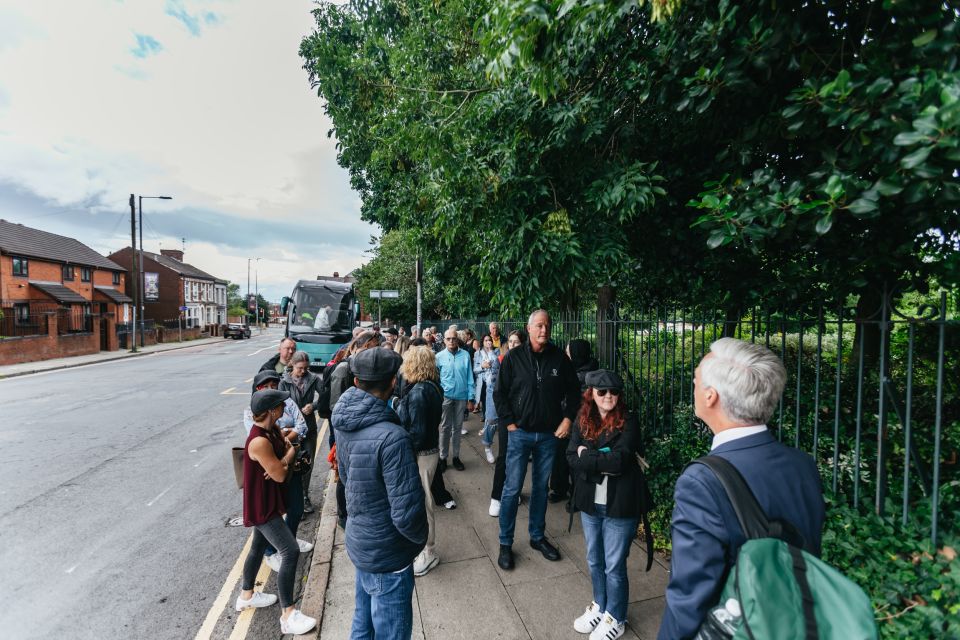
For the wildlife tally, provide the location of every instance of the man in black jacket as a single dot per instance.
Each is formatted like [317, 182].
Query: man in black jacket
[281, 359]
[537, 396]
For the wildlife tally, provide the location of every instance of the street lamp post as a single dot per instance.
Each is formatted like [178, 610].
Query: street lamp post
[142, 276]
[256, 291]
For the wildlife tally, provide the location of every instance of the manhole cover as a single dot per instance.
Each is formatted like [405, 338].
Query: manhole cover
[235, 521]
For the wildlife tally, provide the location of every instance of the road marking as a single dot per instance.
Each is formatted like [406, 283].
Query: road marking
[227, 392]
[193, 450]
[242, 627]
[259, 351]
[206, 630]
[162, 493]
[249, 380]
[70, 570]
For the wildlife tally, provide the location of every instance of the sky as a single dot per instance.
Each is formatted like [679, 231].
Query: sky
[202, 100]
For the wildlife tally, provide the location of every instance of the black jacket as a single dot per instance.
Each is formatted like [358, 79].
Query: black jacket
[532, 404]
[584, 369]
[420, 411]
[271, 364]
[627, 493]
[308, 395]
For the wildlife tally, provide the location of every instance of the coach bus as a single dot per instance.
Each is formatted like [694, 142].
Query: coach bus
[320, 316]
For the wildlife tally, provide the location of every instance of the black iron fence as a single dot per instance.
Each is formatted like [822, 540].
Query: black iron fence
[74, 319]
[15, 324]
[870, 396]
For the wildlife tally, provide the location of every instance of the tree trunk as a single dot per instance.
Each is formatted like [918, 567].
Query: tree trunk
[606, 326]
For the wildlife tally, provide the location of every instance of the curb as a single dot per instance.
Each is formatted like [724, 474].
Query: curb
[110, 359]
[318, 576]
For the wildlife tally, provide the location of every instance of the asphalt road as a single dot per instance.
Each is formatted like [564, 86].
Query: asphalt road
[116, 487]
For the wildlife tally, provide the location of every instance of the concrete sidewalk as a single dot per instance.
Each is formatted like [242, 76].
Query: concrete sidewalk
[467, 595]
[26, 368]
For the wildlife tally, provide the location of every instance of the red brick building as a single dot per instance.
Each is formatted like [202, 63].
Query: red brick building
[58, 296]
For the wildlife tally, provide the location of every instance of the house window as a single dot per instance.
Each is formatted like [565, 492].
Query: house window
[85, 274]
[20, 266]
[116, 277]
[67, 273]
[21, 313]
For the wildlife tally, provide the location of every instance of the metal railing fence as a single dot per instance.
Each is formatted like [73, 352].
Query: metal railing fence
[867, 396]
[14, 326]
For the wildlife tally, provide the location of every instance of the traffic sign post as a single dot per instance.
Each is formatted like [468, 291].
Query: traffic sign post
[380, 294]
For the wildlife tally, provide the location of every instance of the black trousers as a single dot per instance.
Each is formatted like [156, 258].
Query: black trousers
[560, 481]
[500, 466]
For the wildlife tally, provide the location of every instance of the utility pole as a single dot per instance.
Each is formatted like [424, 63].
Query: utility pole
[419, 276]
[136, 278]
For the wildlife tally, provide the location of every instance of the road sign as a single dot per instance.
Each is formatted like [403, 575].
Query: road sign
[384, 293]
[183, 308]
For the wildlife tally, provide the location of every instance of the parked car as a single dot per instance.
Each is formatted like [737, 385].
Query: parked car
[236, 331]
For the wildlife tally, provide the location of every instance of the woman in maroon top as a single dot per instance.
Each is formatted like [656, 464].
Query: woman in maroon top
[267, 461]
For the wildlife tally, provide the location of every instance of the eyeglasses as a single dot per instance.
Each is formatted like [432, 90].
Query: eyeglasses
[603, 392]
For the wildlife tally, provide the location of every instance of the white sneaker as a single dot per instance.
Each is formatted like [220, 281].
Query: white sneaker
[304, 545]
[589, 620]
[273, 562]
[608, 629]
[297, 623]
[494, 508]
[490, 457]
[424, 562]
[450, 504]
[463, 431]
[257, 600]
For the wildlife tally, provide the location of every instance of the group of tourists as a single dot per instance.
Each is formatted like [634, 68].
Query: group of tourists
[396, 406]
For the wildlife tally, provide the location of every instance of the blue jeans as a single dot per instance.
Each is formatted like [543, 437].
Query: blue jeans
[520, 444]
[293, 500]
[489, 429]
[608, 545]
[384, 606]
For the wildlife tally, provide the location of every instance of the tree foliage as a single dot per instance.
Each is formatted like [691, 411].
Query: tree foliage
[690, 151]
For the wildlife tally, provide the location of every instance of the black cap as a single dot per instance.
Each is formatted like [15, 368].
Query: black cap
[391, 331]
[264, 377]
[267, 399]
[371, 365]
[604, 379]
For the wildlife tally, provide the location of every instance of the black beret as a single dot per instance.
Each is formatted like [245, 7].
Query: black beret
[265, 376]
[604, 379]
[263, 401]
[371, 365]
[391, 331]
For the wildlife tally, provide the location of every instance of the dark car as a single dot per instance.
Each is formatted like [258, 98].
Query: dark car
[236, 331]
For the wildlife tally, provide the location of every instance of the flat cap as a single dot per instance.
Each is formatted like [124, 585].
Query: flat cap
[267, 399]
[371, 365]
[264, 377]
[392, 331]
[604, 379]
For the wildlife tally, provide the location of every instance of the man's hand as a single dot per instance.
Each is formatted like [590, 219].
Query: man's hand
[485, 364]
[564, 429]
[307, 409]
[290, 435]
[470, 405]
[512, 427]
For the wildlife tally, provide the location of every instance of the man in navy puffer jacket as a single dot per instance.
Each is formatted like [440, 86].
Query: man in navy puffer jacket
[387, 527]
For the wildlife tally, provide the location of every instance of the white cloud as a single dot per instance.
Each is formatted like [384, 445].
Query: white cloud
[217, 113]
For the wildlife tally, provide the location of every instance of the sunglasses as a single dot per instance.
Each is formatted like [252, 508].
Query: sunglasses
[603, 392]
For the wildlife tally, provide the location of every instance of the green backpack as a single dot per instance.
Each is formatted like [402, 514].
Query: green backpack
[777, 589]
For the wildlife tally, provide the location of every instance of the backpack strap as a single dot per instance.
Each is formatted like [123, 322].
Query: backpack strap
[753, 521]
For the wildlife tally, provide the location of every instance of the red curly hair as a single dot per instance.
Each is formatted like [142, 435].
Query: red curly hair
[591, 425]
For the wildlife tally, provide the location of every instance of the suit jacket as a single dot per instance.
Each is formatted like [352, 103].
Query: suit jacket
[705, 532]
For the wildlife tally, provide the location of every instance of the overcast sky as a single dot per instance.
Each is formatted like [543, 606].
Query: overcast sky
[202, 100]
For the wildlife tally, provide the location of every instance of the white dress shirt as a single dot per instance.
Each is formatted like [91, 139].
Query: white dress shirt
[729, 435]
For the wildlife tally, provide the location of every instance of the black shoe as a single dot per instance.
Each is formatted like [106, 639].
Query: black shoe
[457, 464]
[548, 550]
[441, 466]
[307, 506]
[505, 561]
[555, 497]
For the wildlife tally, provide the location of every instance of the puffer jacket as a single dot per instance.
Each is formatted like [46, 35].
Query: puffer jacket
[420, 410]
[387, 526]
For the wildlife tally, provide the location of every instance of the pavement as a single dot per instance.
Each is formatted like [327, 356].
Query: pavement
[467, 595]
[27, 368]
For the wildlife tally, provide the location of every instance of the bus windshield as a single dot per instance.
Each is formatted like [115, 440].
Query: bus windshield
[321, 310]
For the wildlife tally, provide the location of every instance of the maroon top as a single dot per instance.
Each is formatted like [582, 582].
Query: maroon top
[262, 497]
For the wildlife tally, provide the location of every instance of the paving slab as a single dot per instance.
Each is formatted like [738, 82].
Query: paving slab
[644, 617]
[467, 600]
[643, 584]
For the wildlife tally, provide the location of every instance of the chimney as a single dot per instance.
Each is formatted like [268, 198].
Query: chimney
[176, 254]
[336, 274]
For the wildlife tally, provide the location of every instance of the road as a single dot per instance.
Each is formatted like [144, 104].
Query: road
[116, 488]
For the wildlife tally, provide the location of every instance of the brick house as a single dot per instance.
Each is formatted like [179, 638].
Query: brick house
[60, 293]
[178, 284]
